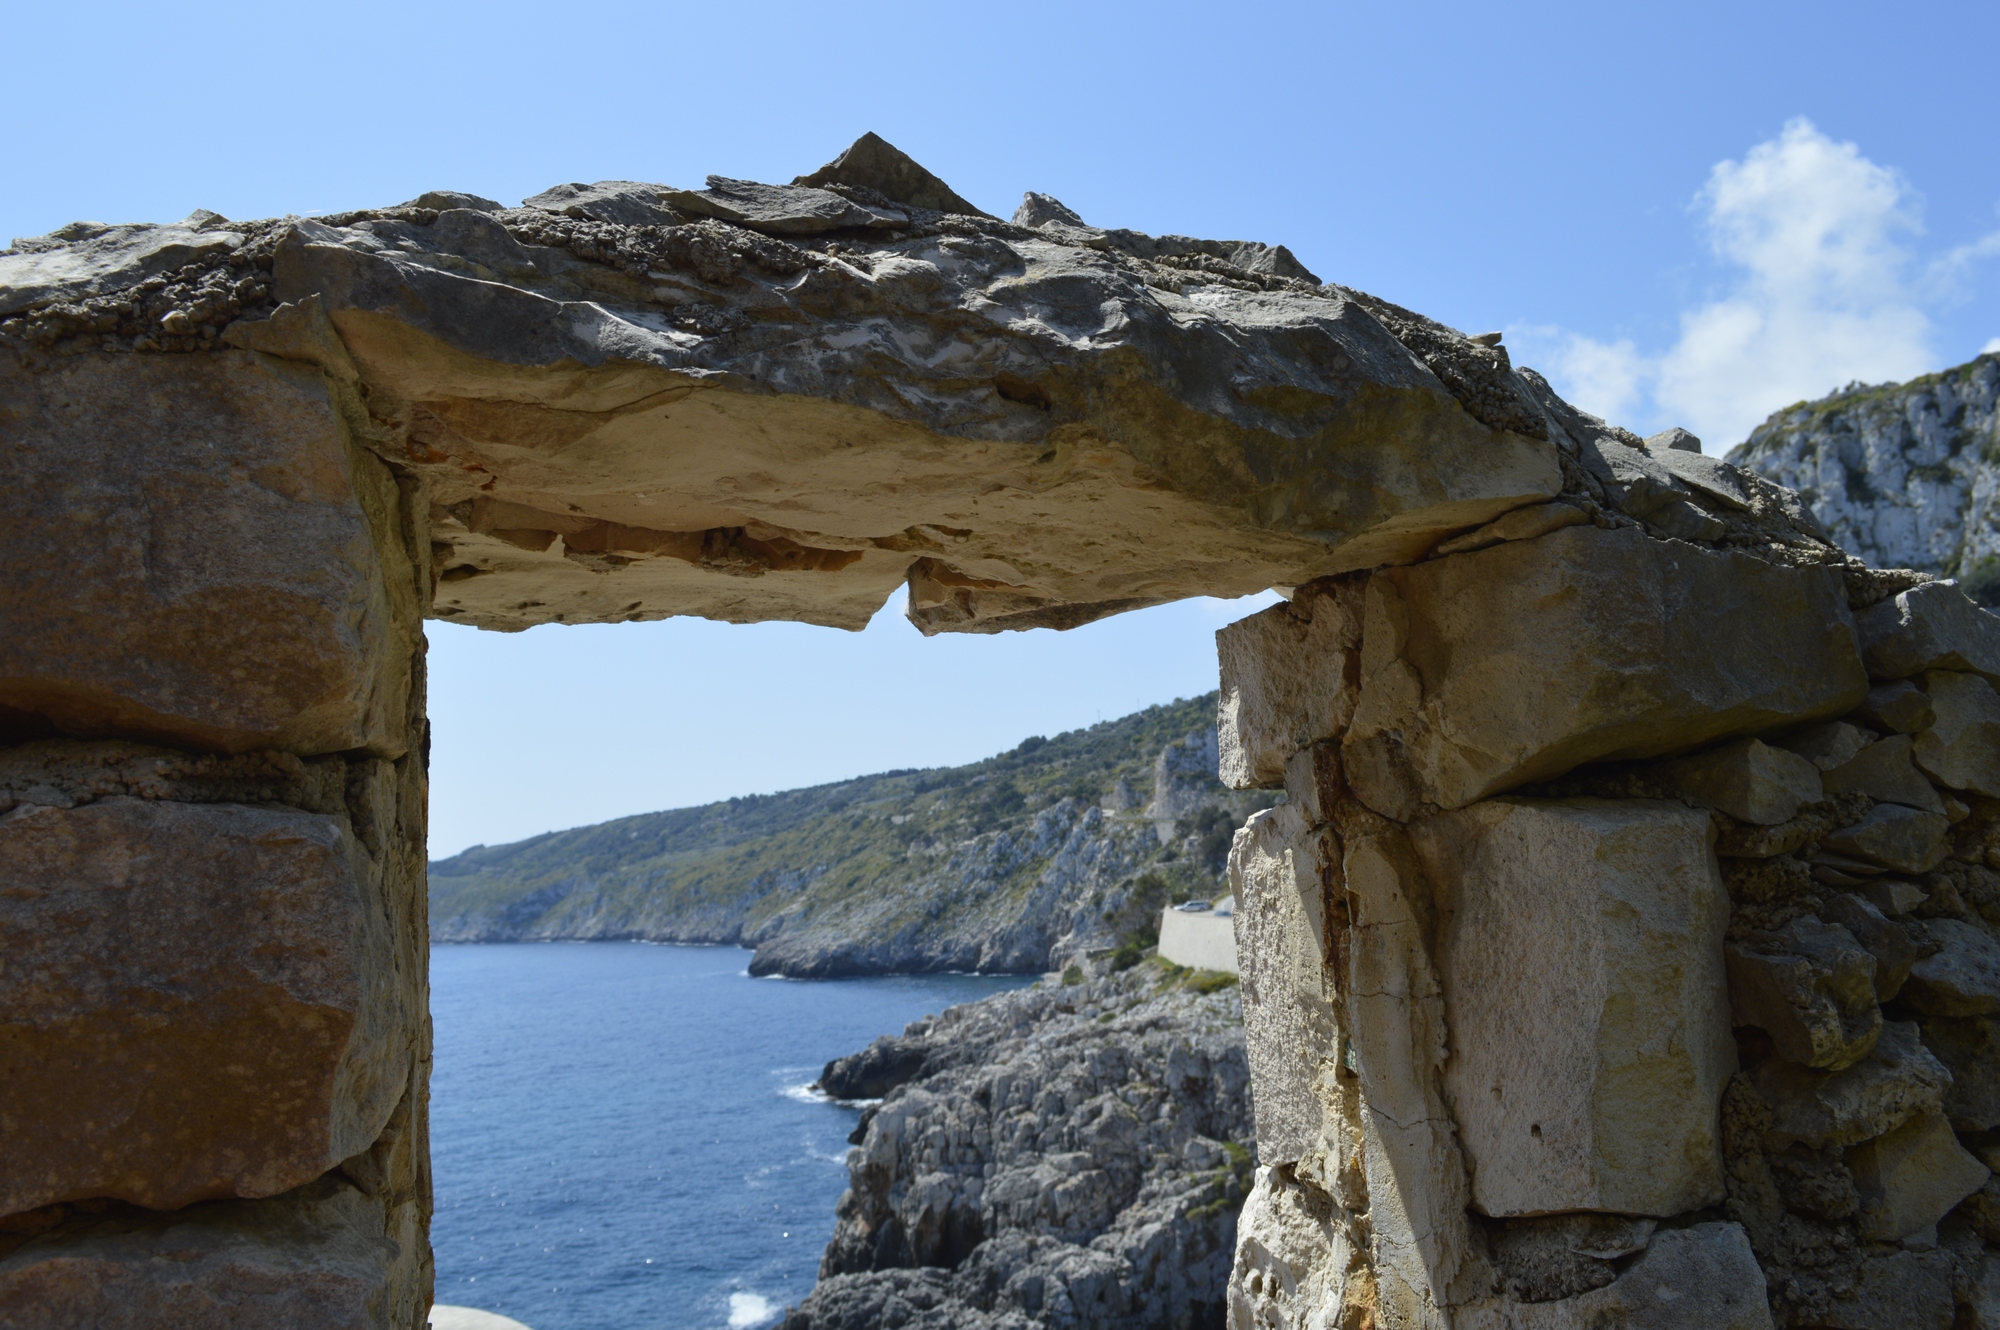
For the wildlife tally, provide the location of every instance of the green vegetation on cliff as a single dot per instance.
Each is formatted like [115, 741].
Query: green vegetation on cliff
[1067, 843]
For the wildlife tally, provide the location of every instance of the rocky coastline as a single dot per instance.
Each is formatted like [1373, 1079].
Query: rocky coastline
[1070, 1156]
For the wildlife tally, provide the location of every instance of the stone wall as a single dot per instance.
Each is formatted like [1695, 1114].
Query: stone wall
[215, 1051]
[1624, 953]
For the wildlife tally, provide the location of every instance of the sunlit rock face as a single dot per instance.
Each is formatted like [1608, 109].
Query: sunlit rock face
[1901, 474]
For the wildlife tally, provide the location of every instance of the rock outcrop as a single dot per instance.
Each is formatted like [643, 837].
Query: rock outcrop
[1068, 1157]
[1903, 475]
[1021, 863]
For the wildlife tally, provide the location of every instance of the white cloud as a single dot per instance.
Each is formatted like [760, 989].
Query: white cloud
[1823, 288]
[1992, 345]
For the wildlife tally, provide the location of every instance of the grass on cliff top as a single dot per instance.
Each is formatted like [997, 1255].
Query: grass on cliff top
[850, 839]
[1786, 422]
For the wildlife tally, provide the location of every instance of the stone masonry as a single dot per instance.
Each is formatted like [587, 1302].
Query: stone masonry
[1623, 953]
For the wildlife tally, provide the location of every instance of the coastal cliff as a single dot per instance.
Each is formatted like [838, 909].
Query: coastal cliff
[1059, 1157]
[1905, 475]
[1023, 862]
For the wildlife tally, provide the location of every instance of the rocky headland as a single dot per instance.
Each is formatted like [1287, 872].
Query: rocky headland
[1905, 475]
[1068, 1156]
[1021, 863]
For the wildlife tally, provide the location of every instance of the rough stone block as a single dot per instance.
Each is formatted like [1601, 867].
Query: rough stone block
[1487, 670]
[1961, 977]
[1970, 1047]
[1910, 1178]
[1827, 746]
[1703, 1277]
[1906, 1290]
[1883, 771]
[200, 1001]
[1825, 1109]
[1887, 942]
[1931, 627]
[1900, 706]
[1749, 780]
[189, 559]
[1289, 1022]
[1984, 1307]
[1289, 677]
[1580, 955]
[1961, 749]
[1893, 836]
[1892, 897]
[1811, 987]
[317, 1259]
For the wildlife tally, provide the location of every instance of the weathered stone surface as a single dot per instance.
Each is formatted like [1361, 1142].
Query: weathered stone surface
[1486, 670]
[1985, 1304]
[1811, 987]
[1894, 836]
[1704, 1276]
[1887, 942]
[1289, 1020]
[1961, 749]
[1422, 1251]
[1290, 676]
[1970, 1047]
[192, 558]
[201, 1001]
[1900, 706]
[1892, 897]
[1961, 977]
[1883, 771]
[1930, 627]
[779, 209]
[1296, 1261]
[87, 259]
[1911, 1177]
[319, 1258]
[1906, 1290]
[1522, 524]
[1827, 746]
[872, 162]
[1824, 1109]
[1580, 957]
[623, 413]
[1749, 780]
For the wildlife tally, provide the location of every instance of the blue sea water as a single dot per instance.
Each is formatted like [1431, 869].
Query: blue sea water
[621, 1134]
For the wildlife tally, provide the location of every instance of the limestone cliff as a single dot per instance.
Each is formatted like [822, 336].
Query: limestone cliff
[1064, 1156]
[1018, 863]
[1903, 474]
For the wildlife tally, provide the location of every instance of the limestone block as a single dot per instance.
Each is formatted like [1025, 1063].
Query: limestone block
[1931, 627]
[1289, 677]
[1884, 772]
[1704, 1276]
[1293, 1259]
[1911, 1177]
[1887, 942]
[1749, 780]
[1962, 747]
[1289, 1023]
[1487, 670]
[1892, 897]
[191, 558]
[1907, 1290]
[1970, 1047]
[1961, 977]
[1425, 1261]
[1313, 782]
[1985, 1304]
[316, 1259]
[1827, 746]
[1894, 836]
[1580, 953]
[223, 975]
[1899, 1079]
[1900, 706]
[1811, 987]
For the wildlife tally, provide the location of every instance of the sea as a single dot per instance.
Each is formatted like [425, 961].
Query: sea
[623, 1135]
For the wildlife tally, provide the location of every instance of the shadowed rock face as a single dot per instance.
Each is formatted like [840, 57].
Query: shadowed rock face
[780, 401]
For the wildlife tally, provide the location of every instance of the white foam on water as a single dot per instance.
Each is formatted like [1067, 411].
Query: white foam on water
[748, 1309]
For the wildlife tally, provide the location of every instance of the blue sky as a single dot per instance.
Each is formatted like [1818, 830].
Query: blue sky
[1686, 214]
